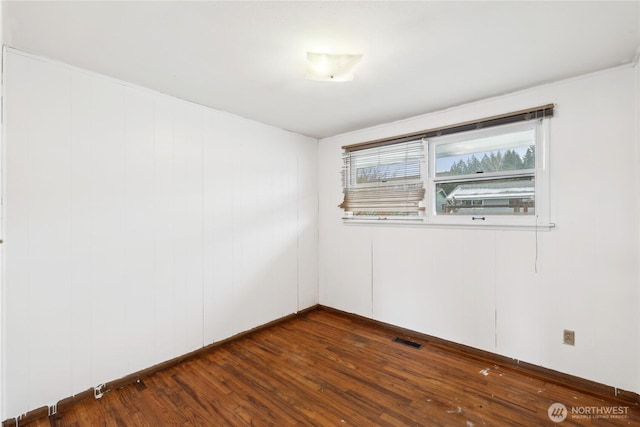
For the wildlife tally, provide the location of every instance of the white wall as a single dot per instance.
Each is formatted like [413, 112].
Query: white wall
[138, 228]
[513, 292]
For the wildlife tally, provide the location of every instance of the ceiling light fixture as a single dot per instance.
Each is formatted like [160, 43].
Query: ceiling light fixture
[327, 67]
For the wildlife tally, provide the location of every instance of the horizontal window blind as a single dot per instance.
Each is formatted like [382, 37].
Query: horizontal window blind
[384, 180]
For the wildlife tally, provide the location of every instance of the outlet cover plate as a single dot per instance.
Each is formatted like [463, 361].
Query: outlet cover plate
[569, 337]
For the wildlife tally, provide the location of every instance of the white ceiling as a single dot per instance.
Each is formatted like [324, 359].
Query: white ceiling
[248, 58]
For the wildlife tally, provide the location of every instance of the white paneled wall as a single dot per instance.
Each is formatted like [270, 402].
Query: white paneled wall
[513, 292]
[138, 228]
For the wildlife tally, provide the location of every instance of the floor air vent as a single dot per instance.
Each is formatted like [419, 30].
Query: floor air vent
[408, 342]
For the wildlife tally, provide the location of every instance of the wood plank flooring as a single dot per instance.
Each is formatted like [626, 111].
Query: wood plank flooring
[325, 369]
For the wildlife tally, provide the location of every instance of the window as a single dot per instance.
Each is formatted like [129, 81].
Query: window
[491, 172]
[383, 181]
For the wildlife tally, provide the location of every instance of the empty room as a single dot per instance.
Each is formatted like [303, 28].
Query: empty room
[318, 213]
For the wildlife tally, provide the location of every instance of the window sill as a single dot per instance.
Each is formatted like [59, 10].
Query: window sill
[393, 222]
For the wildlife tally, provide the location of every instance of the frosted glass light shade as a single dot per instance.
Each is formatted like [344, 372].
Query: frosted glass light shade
[330, 67]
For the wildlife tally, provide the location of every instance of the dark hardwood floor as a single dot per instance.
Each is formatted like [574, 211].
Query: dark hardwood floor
[326, 369]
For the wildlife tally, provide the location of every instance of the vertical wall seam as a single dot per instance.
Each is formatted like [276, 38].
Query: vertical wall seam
[317, 197]
[234, 238]
[371, 273]
[155, 230]
[3, 169]
[495, 289]
[91, 231]
[202, 229]
[298, 230]
[71, 232]
[28, 221]
[637, 116]
[125, 221]
[173, 225]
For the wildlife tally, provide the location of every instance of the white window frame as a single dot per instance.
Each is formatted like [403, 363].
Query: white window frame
[539, 220]
[541, 174]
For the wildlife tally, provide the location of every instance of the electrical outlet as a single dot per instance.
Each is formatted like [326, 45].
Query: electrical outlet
[569, 337]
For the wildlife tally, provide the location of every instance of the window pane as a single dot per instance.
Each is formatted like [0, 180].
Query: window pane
[508, 152]
[384, 181]
[388, 172]
[506, 196]
[388, 163]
